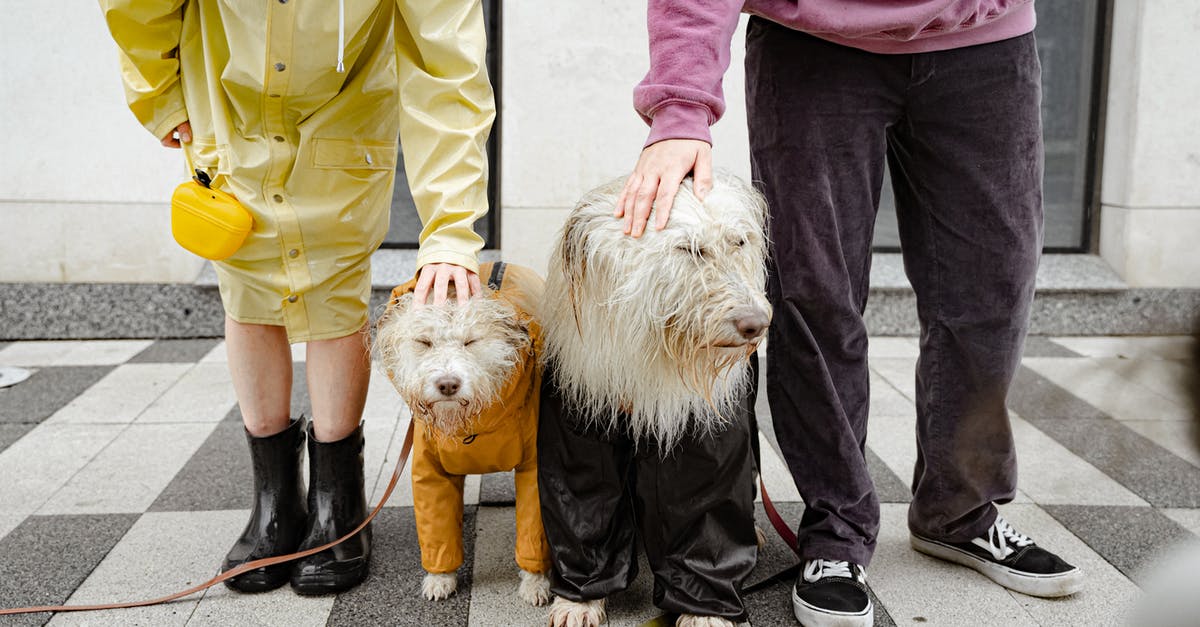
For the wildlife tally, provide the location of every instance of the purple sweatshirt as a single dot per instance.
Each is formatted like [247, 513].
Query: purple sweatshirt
[689, 44]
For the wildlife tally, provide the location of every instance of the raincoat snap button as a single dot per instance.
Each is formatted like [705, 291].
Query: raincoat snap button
[369, 160]
[292, 298]
[293, 253]
[279, 138]
[277, 198]
[280, 67]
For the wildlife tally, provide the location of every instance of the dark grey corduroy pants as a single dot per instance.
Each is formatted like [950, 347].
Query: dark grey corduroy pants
[961, 133]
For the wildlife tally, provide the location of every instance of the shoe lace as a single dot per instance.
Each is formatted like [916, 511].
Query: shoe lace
[1001, 538]
[816, 570]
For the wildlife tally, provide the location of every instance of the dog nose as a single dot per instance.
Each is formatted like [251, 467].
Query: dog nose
[448, 385]
[751, 324]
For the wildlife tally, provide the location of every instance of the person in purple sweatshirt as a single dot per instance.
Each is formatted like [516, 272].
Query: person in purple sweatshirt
[947, 93]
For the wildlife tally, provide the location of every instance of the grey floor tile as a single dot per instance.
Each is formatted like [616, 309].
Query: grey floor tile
[1148, 470]
[216, 477]
[10, 433]
[497, 488]
[1128, 537]
[392, 593]
[175, 351]
[46, 557]
[47, 391]
[889, 488]
[1041, 346]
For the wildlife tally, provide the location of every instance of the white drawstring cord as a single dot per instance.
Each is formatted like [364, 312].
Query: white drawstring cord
[341, 35]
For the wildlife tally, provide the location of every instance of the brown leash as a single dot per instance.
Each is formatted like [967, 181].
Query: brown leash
[248, 566]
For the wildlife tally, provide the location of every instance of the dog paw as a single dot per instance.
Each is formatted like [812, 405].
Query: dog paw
[567, 613]
[534, 588]
[691, 620]
[439, 586]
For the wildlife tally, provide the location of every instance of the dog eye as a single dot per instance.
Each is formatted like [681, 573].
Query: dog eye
[424, 342]
[470, 341]
[740, 242]
[693, 250]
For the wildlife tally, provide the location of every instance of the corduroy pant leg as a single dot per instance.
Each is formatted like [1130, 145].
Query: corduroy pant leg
[966, 164]
[695, 508]
[584, 484]
[818, 114]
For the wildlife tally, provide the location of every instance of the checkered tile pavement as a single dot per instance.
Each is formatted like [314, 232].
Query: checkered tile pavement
[123, 473]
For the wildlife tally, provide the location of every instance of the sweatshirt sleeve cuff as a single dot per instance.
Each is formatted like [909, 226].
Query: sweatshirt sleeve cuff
[680, 120]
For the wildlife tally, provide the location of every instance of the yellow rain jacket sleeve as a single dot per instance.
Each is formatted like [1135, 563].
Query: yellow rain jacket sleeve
[310, 149]
[504, 438]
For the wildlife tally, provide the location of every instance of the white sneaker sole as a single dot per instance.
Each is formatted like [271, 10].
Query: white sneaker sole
[810, 616]
[1048, 586]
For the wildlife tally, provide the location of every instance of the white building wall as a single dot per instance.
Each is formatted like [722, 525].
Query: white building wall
[83, 187]
[568, 118]
[1150, 188]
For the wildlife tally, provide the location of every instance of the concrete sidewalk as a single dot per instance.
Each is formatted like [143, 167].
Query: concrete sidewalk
[123, 472]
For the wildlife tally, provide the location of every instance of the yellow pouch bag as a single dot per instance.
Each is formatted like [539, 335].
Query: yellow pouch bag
[208, 221]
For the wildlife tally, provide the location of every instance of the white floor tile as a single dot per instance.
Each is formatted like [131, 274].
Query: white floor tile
[494, 581]
[780, 486]
[1097, 384]
[163, 552]
[900, 372]
[1189, 518]
[216, 355]
[299, 352]
[131, 472]
[203, 394]
[1181, 438]
[221, 606]
[382, 399]
[879, 347]
[378, 432]
[918, 589]
[72, 352]
[122, 395]
[1163, 347]
[886, 400]
[1051, 475]
[8, 522]
[42, 461]
[1107, 595]
[1176, 379]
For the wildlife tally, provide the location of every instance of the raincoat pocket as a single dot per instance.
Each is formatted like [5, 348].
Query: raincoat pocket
[347, 154]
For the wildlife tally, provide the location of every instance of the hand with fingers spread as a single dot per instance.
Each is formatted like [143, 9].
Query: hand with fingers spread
[655, 181]
[179, 135]
[438, 277]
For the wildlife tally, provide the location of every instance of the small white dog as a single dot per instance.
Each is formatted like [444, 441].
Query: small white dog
[470, 375]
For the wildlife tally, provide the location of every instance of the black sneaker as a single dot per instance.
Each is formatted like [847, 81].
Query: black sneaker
[1009, 559]
[832, 594]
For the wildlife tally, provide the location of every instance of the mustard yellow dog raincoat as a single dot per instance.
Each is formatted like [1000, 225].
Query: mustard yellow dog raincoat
[295, 109]
[503, 438]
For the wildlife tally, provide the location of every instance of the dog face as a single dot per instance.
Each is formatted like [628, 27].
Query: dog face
[696, 285]
[659, 325]
[449, 362]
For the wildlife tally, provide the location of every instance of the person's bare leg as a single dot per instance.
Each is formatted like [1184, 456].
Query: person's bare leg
[338, 373]
[260, 362]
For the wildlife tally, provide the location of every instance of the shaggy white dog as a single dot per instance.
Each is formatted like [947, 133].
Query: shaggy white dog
[655, 331]
[469, 374]
[650, 336]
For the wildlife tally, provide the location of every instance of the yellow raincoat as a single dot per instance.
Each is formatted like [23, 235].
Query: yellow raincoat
[503, 438]
[310, 149]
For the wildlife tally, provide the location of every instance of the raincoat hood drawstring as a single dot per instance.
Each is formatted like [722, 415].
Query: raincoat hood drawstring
[341, 35]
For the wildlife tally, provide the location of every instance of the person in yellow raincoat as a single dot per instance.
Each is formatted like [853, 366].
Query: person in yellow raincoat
[503, 438]
[294, 108]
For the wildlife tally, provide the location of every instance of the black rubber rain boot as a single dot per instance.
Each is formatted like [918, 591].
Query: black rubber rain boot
[277, 521]
[336, 505]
